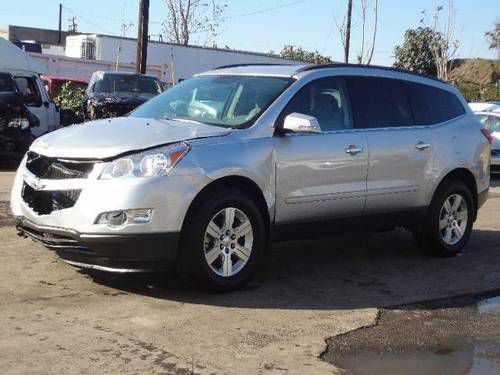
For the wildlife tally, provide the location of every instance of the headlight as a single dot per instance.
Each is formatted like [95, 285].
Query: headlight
[155, 162]
[22, 123]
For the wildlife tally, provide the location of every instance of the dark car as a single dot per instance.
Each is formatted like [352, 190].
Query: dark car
[114, 94]
[16, 120]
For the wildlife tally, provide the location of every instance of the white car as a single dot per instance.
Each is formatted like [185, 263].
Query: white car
[212, 170]
[484, 106]
[491, 120]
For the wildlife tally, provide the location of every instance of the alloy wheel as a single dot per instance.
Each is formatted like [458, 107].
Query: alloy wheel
[228, 241]
[453, 219]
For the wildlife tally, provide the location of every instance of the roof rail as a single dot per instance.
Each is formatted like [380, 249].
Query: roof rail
[343, 65]
[249, 64]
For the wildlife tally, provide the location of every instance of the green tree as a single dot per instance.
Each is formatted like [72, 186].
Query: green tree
[415, 53]
[297, 53]
[70, 97]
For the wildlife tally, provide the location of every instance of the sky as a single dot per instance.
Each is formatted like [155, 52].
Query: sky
[268, 25]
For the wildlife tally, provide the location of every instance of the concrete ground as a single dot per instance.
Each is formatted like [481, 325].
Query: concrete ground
[56, 319]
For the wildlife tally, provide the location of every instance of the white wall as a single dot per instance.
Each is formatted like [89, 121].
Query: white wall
[80, 68]
[187, 60]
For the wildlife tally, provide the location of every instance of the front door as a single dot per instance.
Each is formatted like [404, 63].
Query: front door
[323, 175]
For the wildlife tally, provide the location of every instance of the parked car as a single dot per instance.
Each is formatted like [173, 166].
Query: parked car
[16, 121]
[212, 170]
[491, 120]
[484, 106]
[112, 94]
[18, 63]
[53, 84]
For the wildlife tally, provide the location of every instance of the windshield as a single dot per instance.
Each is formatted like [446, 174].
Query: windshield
[6, 83]
[132, 84]
[491, 122]
[228, 101]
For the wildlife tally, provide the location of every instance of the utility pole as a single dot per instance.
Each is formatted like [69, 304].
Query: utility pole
[142, 37]
[73, 26]
[348, 31]
[59, 39]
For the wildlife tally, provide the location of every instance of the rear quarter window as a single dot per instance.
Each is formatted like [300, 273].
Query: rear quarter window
[432, 105]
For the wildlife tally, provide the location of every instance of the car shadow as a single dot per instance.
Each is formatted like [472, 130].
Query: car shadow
[344, 272]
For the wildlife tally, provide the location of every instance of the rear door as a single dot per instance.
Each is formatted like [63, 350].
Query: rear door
[400, 152]
[323, 175]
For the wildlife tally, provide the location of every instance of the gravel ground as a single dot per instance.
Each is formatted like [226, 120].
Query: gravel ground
[56, 319]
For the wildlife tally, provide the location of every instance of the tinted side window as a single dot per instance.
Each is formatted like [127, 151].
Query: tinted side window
[432, 105]
[379, 102]
[325, 99]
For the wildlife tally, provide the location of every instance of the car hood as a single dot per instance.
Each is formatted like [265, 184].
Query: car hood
[111, 137]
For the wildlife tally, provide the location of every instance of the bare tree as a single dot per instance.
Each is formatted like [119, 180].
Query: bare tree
[188, 17]
[444, 46]
[344, 29]
[493, 38]
[367, 46]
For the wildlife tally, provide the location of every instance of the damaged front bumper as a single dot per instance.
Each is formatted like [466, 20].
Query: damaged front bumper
[63, 214]
[143, 252]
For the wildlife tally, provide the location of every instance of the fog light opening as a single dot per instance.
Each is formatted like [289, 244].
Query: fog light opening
[124, 217]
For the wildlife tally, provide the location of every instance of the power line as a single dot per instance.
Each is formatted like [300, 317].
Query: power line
[110, 19]
[266, 9]
[89, 22]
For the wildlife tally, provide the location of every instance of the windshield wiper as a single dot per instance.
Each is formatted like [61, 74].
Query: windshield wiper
[181, 119]
[185, 120]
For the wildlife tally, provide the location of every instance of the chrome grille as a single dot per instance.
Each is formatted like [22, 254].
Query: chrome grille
[57, 169]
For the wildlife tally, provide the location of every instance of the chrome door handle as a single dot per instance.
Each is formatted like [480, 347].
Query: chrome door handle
[422, 146]
[353, 150]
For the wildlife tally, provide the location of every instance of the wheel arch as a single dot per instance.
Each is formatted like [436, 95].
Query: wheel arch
[467, 177]
[241, 183]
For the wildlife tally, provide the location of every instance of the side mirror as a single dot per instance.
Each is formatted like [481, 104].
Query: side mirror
[300, 123]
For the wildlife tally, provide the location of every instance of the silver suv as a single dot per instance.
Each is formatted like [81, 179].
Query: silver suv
[213, 169]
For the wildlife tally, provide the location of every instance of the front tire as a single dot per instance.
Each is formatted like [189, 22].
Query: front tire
[448, 223]
[222, 242]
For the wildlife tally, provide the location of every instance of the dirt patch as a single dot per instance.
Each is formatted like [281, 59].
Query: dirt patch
[5, 215]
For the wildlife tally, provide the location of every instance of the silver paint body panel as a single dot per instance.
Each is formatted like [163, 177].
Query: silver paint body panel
[302, 177]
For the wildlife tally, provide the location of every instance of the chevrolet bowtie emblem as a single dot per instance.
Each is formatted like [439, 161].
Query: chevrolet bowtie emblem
[38, 184]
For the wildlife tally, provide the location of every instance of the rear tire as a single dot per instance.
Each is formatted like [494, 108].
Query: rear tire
[222, 242]
[448, 223]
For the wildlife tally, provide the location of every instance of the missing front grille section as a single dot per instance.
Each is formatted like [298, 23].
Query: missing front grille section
[56, 169]
[46, 202]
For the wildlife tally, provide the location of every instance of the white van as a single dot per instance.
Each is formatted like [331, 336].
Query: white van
[15, 61]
